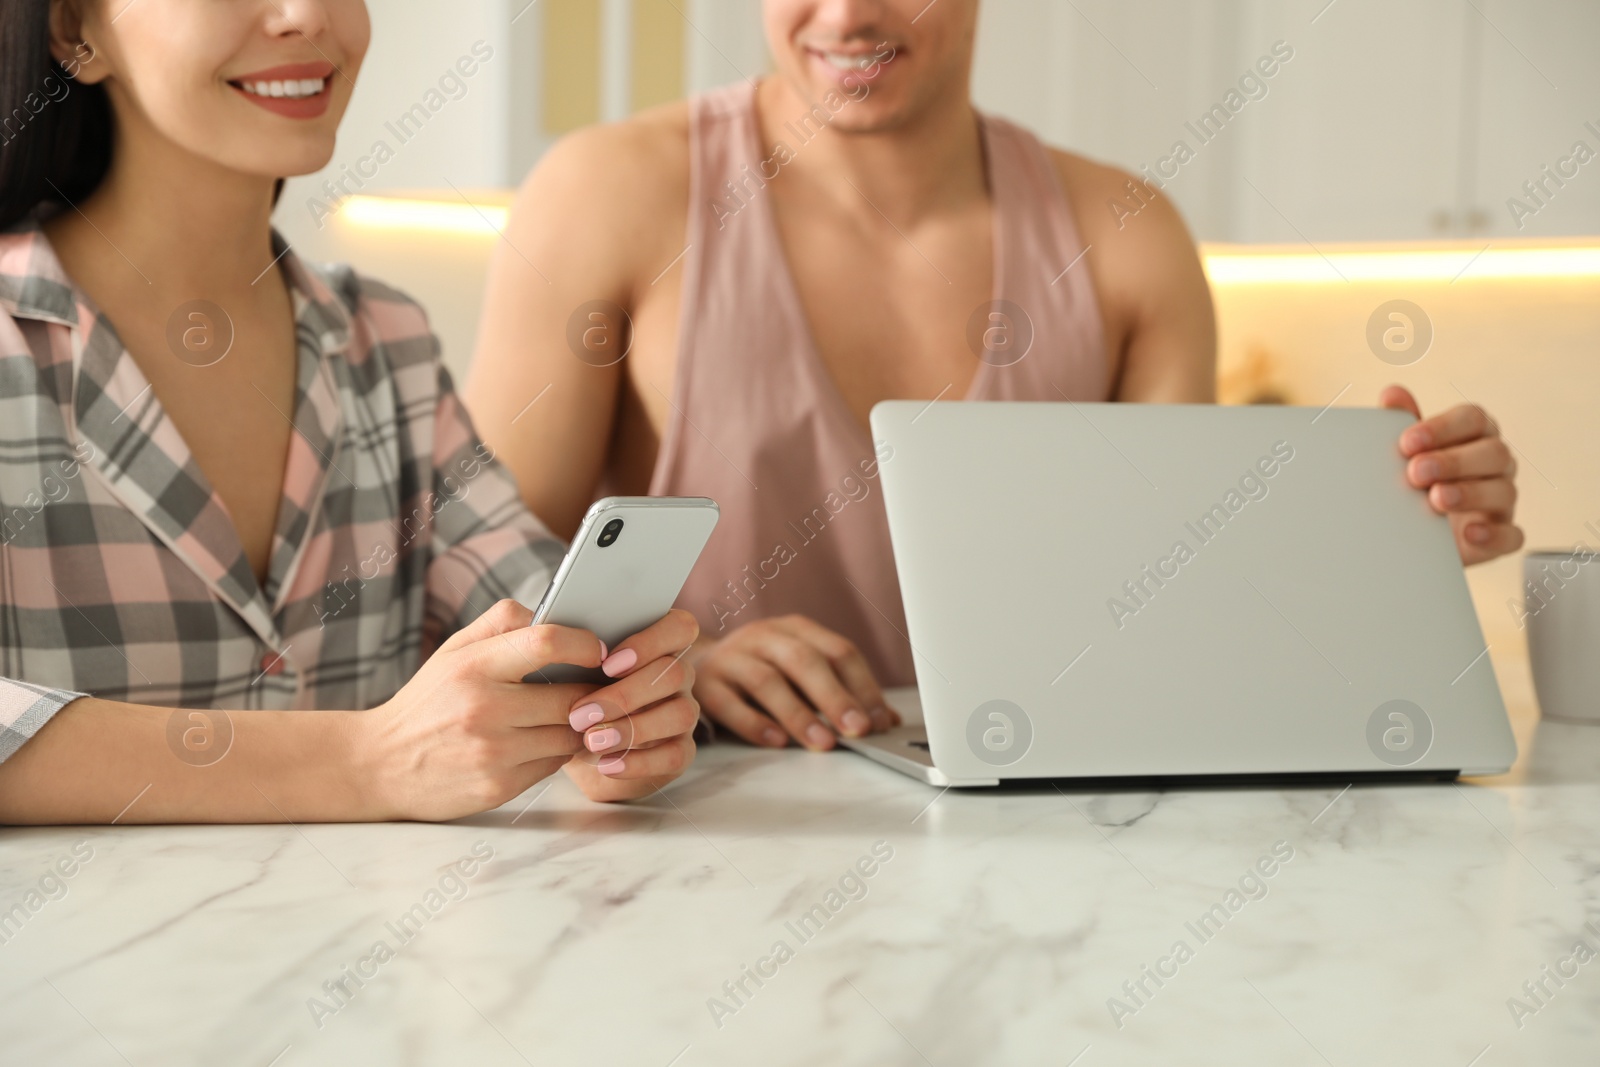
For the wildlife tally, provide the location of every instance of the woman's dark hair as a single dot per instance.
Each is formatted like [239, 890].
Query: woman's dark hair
[55, 133]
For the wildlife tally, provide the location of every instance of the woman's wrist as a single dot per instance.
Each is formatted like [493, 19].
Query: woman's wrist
[366, 769]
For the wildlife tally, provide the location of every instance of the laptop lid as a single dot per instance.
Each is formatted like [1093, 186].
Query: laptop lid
[1123, 589]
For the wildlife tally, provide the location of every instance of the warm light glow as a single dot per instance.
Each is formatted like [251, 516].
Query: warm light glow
[438, 216]
[1242, 267]
[1224, 264]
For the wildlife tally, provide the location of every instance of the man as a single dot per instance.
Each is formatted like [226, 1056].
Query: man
[772, 260]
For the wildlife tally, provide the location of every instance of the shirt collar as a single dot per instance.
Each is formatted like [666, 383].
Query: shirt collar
[138, 449]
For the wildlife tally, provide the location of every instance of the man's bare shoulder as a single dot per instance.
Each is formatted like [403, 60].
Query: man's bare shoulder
[625, 180]
[641, 155]
[1117, 209]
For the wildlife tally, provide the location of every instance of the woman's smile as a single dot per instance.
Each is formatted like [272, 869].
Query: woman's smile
[294, 90]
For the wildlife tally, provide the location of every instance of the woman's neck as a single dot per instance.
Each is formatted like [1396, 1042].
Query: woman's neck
[175, 224]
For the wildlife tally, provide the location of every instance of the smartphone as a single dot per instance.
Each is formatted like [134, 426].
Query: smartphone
[624, 570]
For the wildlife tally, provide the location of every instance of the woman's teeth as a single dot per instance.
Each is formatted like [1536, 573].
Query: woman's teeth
[292, 89]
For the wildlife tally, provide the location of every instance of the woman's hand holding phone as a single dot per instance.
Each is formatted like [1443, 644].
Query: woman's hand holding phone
[467, 734]
[638, 731]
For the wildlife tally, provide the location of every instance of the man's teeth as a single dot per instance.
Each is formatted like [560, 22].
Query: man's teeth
[844, 62]
[293, 89]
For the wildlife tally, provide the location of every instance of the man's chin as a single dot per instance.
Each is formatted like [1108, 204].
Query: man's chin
[886, 121]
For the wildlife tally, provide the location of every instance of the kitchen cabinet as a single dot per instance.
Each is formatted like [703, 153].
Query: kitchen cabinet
[1410, 120]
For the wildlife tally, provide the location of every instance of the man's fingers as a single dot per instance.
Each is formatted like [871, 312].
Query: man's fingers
[1399, 398]
[811, 673]
[1496, 497]
[1462, 423]
[729, 709]
[1480, 538]
[1487, 457]
[770, 690]
[846, 659]
[669, 636]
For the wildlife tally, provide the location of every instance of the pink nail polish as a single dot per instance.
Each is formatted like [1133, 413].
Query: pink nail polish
[614, 765]
[600, 740]
[775, 738]
[602, 652]
[586, 716]
[819, 736]
[619, 663]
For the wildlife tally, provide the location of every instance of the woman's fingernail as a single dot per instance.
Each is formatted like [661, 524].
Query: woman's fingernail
[586, 716]
[881, 719]
[613, 765]
[600, 740]
[819, 736]
[1428, 469]
[603, 652]
[1449, 496]
[1417, 440]
[855, 723]
[1478, 534]
[619, 662]
[775, 738]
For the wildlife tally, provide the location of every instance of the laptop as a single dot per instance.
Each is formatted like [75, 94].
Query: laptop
[1176, 591]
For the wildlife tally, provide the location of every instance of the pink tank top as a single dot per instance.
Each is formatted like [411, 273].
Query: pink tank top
[759, 425]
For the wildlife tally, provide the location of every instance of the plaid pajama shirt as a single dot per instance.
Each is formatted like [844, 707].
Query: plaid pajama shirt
[121, 575]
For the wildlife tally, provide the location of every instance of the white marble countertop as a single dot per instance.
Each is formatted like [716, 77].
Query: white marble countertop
[996, 931]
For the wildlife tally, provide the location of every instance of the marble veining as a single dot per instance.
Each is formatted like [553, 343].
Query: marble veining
[1022, 926]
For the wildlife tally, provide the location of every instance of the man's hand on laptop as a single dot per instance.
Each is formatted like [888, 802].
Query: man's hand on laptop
[1468, 471]
[774, 679]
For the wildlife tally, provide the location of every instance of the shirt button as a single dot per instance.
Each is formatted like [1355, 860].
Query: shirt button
[272, 663]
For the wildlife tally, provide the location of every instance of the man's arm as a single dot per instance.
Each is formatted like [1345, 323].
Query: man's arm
[1154, 300]
[604, 206]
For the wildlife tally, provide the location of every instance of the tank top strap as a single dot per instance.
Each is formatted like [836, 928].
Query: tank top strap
[1041, 268]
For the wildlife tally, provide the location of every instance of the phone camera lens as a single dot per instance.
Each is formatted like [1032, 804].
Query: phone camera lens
[609, 533]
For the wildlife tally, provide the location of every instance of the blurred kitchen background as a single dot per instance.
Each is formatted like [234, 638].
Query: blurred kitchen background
[1442, 152]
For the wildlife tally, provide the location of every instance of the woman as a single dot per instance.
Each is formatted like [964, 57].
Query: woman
[257, 491]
